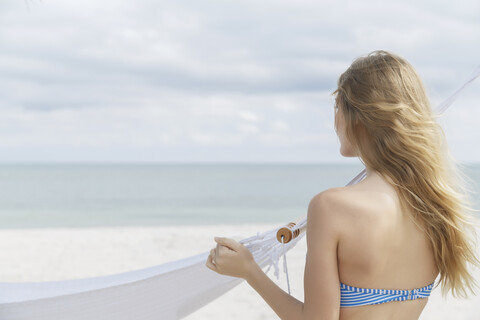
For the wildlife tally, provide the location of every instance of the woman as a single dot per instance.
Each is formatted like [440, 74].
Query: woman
[397, 229]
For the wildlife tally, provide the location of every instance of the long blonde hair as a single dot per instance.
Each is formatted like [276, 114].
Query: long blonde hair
[390, 123]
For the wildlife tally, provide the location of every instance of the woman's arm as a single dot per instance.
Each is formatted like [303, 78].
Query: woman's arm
[321, 281]
[238, 262]
[322, 287]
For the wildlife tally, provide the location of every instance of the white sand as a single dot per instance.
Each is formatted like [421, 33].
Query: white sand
[57, 254]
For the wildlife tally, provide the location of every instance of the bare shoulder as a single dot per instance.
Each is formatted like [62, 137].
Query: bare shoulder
[322, 204]
[334, 204]
[327, 211]
[337, 209]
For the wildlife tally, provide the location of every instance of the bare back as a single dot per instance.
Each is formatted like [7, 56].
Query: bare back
[382, 248]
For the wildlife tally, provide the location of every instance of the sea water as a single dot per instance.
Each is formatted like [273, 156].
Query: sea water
[92, 195]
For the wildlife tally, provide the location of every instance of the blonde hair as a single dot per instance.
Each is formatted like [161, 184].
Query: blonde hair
[390, 123]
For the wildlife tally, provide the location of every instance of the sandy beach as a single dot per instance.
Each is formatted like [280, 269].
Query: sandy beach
[58, 254]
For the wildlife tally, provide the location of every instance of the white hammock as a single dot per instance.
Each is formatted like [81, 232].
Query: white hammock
[169, 291]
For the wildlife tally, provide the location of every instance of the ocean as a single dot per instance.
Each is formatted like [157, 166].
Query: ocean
[96, 195]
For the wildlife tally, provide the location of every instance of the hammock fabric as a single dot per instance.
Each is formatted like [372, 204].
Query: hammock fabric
[169, 291]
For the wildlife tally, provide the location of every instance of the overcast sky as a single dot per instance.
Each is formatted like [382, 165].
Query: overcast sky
[216, 81]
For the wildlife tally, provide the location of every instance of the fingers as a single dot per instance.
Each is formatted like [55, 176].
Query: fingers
[226, 249]
[213, 254]
[210, 264]
[217, 250]
[227, 242]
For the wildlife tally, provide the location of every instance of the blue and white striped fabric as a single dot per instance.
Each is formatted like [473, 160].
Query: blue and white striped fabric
[353, 296]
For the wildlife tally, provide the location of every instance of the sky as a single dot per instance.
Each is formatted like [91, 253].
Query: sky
[215, 81]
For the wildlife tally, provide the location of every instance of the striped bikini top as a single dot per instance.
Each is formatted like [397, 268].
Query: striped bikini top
[353, 296]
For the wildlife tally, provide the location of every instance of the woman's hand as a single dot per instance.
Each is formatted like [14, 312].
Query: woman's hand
[231, 258]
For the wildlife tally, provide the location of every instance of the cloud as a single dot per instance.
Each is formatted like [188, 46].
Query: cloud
[253, 78]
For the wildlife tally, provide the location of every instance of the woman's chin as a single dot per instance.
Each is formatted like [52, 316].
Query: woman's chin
[347, 153]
